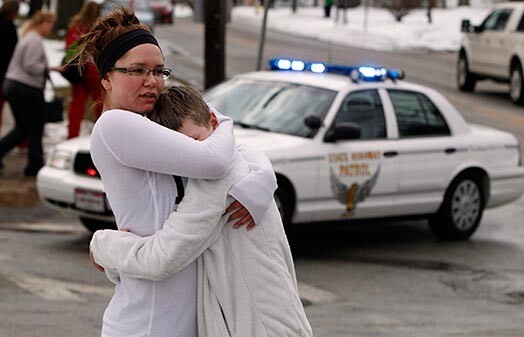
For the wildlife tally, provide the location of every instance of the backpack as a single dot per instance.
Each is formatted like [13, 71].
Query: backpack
[71, 72]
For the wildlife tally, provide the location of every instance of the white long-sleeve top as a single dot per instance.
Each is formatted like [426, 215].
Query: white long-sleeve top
[136, 158]
[247, 283]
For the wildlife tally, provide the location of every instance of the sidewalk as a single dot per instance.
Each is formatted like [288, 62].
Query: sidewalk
[15, 189]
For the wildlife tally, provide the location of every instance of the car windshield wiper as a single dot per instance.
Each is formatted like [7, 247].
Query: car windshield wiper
[252, 126]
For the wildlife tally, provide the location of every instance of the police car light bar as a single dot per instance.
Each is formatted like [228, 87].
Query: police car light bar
[356, 73]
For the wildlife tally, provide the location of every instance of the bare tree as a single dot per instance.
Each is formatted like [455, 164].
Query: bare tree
[65, 10]
[401, 8]
[34, 6]
[430, 4]
[294, 6]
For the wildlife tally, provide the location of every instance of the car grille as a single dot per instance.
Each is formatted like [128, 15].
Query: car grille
[84, 165]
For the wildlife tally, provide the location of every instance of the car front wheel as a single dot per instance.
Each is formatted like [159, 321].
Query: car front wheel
[461, 211]
[465, 79]
[516, 86]
[93, 225]
[283, 201]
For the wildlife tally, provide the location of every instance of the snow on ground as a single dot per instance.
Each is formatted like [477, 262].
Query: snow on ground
[372, 28]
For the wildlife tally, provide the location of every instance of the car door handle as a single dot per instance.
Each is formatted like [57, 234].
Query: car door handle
[389, 154]
[450, 150]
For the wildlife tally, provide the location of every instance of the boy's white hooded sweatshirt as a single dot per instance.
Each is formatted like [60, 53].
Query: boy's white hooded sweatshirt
[246, 280]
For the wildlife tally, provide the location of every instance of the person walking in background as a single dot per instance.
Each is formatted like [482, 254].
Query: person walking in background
[23, 89]
[80, 24]
[8, 40]
[327, 8]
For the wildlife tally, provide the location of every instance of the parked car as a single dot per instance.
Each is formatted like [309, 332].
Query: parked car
[142, 10]
[494, 50]
[346, 143]
[163, 11]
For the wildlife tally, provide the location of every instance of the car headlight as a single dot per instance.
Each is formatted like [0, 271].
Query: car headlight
[60, 159]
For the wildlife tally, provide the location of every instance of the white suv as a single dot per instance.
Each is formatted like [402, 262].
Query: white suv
[494, 50]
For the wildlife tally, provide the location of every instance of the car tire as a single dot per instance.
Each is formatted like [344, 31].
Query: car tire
[465, 79]
[459, 215]
[283, 201]
[516, 86]
[93, 225]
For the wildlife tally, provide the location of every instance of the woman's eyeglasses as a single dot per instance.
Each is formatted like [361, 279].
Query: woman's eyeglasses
[143, 72]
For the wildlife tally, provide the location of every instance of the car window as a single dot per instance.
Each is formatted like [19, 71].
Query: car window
[520, 27]
[365, 109]
[497, 20]
[237, 99]
[417, 115]
[286, 110]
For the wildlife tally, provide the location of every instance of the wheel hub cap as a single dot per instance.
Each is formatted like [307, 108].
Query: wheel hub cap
[516, 84]
[465, 205]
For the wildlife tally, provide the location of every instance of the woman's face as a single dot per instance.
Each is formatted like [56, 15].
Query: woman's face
[45, 28]
[134, 93]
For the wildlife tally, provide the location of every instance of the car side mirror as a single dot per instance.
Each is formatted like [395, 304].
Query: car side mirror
[478, 29]
[466, 26]
[313, 122]
[342, 131]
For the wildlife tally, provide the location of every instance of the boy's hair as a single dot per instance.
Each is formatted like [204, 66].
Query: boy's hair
[178, 104]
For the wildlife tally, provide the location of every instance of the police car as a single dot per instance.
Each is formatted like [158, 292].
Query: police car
[346, 143]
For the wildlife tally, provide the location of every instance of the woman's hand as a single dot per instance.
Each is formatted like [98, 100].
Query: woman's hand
[60, 69]
[241, 215]
[93, 262]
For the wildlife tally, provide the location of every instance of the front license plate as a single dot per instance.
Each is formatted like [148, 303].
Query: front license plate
[90, 200]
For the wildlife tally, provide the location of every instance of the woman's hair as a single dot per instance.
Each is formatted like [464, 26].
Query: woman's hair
[37, 19]
[118, 22]
[9, 9]
[87, 15]
[179, 104]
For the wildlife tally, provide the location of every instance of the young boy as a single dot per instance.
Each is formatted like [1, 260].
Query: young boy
[246, 281]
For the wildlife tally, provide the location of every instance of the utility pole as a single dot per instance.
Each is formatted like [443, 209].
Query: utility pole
[215, 42]
[262, 41]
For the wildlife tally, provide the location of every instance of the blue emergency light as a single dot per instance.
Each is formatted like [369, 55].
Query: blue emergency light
[356, 73]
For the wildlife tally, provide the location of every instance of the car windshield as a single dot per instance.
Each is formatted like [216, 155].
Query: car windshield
[272, 106]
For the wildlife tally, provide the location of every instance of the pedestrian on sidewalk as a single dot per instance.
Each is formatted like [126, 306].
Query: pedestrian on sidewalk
[89, 85]
[327, 8]
[8, 40]
[23, 89]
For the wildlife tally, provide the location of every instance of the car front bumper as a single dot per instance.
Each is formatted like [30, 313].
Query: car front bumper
[59, 189]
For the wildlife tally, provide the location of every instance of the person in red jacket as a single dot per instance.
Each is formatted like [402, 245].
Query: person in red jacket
[90, 85]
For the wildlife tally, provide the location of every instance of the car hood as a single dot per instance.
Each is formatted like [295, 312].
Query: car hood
[268, 142]
[78, 144]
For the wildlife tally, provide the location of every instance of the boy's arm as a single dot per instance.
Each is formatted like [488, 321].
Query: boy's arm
[195, 225]
[255, 191]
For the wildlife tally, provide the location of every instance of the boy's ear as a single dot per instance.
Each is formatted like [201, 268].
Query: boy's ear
[213, 119]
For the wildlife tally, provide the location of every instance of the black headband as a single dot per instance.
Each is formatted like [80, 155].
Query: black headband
[121, 45]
